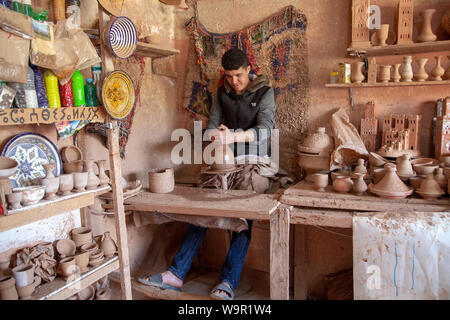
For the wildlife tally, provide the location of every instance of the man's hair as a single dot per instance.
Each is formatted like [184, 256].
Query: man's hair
[233, 59]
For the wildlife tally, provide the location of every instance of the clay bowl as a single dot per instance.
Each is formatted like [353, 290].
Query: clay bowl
[424, 161]
[87, 293]
[96, 254]
[88, 247]
[71, 153]
[161, 180]
[65, 247]
[31, 195]
[377, 160]
[424, 169]
[8, 167]
[73, 166]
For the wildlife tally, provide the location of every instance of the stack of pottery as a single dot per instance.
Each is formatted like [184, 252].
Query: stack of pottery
[314, 154]
[390, 186]
[161, 180]
[429, 188]
[72, 158]
[81, 236]
[51, 182]
[96, 257]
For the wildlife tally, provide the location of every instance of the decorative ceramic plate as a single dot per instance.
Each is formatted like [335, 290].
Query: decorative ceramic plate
[31, 151]
[122, 37]
[118, 94]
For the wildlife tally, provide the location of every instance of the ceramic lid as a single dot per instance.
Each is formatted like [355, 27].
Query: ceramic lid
[391, 184]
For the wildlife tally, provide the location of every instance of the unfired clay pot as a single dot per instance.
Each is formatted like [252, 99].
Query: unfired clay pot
[407, 72]
[343, 184]
[421, 74]
[161, 180]
[357, 75]
[359, 186]
[66, 184]
[320, 181]
[14, 200]
[391, 186]
[429, 188]
[103, 178]
[8, 288]
[396, 73]
[108, 246]
[385, 73]
[426, 34]
[80, 181]
[438, 71]
[317, 142]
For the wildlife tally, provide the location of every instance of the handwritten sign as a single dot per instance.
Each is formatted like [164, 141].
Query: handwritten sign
[51, 115]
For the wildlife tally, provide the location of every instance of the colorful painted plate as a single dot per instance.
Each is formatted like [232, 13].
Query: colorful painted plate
[31, 151]
[118, 94]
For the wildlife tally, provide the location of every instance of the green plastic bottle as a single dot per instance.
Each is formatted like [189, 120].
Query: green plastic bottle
[78, 89]
[91, 93]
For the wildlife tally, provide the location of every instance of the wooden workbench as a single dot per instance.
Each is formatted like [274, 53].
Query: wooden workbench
[230, 204]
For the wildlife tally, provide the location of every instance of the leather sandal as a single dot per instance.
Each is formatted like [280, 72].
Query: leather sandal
[156, 280]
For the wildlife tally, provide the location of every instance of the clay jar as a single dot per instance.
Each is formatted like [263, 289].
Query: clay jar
[66, 184]
[24, 274]
[342, 184]
[407, 72]
[93, 180]
[357, 75]
[80, 181]
[8, 288]
[320, 181]
[421, 74]
[438, 71]
[359, 186]
[103, 178]
[108, 246]
[426, 34]
[161, 180]
[385, 73]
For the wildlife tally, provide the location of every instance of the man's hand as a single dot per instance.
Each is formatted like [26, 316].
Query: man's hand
[222, 135]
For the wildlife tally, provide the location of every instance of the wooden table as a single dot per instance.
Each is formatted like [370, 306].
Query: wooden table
[332, 209]
[230, 204]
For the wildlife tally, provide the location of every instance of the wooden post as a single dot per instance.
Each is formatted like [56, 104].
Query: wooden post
[300, 263]
[279, 253]
[119, 210]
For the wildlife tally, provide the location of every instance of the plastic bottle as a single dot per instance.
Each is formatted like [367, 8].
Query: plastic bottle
[66, 93]
[51, 87]
[39, 86]
[19, 100]
[91, 93]
[18, 6]
[97, 74]
[78, 89]
[30, 91]
[28, 9]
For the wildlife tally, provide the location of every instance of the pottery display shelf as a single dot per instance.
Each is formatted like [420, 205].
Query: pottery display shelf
[388, 84]
[400, 49]
[47, 208]
[60, 289]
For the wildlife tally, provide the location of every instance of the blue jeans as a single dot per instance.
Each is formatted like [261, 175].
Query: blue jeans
[231, 268]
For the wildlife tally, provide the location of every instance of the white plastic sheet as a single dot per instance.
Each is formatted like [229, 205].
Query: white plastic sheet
[401, 256]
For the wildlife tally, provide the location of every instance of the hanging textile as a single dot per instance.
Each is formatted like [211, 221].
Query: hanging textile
[276, 48]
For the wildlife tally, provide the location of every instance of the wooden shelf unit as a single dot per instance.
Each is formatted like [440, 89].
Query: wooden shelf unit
[389, 84]
[401, 49]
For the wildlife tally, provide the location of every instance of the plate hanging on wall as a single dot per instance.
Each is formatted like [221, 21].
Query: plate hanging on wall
[31, 151]
[114, 7]
[118, 94]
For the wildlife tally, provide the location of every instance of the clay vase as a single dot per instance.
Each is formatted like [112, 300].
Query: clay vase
[396, 74]
[8, 288]
[421, 74]
[360, 168]
[407, 71]
[51, 187]
[441, 179]
[447, 73]
[104, 179]
[426, 34]
[49, 167]
[343, 184]
[357, 75]
[404, 166]
[66, 184]
[359, 186]
[80, 181]
[93, 180]
[14, 200]
[103, 294]
[385, 73]
[429, 188]
[320, 181]
[24, 274]
[383, 34]
[108, 246]
[438, 71]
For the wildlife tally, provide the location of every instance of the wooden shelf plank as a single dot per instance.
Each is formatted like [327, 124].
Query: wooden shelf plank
[323, 218]
[389, 84]
[46, 209]
[60, 289]
[50, 115]
[402, 49]
[154, 51]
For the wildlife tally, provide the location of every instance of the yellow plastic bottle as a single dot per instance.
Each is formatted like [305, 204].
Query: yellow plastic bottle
[52, 89]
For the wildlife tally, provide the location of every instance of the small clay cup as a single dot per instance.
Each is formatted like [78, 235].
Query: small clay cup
[14, 200]
[66, 184]
[81, 236]
[67, 267]
[88, 247]
[80, 180]
[24, 274]
[320, 181]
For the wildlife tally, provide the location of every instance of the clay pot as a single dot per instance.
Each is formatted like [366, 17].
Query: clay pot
[14, 200]
[51, 187]
[424, 169]
[8, 288]
[66, 184]
[103, 294]
[407, 71]
[314, 162]
[343, 184]
[438, 71]
[390, 186]
[65, 248]
[404, 167]
[441, 179]
[104, 179]
[82, 261]
[71, 154]
[31, 195]
[415, 182]
[93, 180]
[161, 180]
[320, 181]
[88, 247]
[81, 236]
[26, 291]
[357, 75]
[80, 181]
[383, 34]
[87, 293]
[108, 246]
[359, 186]
[378, 174]
[67, 267]
[96, 254]
[396, 74]
[24, 274]
[49, 168]
[317, 142]
[429, 188]
[421, 74]
[426, 34]
[385, 73]
[72, 167]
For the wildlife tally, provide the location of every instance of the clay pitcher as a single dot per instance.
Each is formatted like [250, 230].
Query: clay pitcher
[421, 74]
[93, 180]
[407, 72]
[438, 71]
[404, 166]
[108, 246]
[357, 75]
[8, 289]
[426, 34]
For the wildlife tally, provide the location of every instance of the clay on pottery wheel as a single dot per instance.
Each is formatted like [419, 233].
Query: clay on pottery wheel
[391, 186]
[320, 181]
[161, 180]
[222, 158]
[343, 184]
[359, 186]
[429, 188]
[317, 142]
